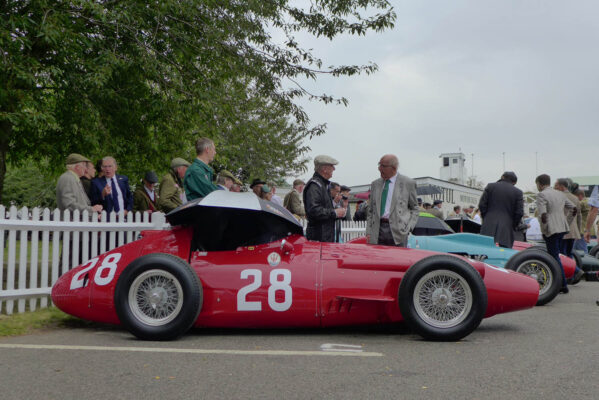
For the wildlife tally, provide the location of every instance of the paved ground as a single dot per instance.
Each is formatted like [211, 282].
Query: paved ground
[550, 352]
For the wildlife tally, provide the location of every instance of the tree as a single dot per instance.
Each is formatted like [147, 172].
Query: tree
[140, 79]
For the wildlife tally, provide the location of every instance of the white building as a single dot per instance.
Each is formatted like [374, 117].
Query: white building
[453, 168]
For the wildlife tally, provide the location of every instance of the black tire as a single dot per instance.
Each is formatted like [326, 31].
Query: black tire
[179, 297]
[594, 251]
[578, 258]
[540, 265]
[421, 295]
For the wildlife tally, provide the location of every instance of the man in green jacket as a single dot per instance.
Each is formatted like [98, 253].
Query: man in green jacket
[171, 194]
[199, 176]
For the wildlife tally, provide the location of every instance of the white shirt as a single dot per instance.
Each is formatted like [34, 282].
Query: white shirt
[389, 196]
[150, 193]
[276, 199]
[594, 198]
[534, 232]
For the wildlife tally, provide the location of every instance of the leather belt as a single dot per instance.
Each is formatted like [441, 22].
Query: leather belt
[385, 220]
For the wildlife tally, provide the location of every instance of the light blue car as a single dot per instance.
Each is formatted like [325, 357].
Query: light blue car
[532, 261]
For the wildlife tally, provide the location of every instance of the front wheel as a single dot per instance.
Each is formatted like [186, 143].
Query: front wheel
[539, 265]
[594, 251]
[158, 297]
[442, 298]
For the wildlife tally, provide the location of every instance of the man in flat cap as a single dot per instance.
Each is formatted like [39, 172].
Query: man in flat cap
[171, 194]
[145, 197]
[293, 200]
[318, 202]
[225, 180]
[393, 209]
[256, 186]
[199, 176]
[501, 208]
[70, 194]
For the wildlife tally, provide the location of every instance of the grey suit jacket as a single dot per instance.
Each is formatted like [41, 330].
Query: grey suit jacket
[70, 194]
[403, 213]
[558, 209]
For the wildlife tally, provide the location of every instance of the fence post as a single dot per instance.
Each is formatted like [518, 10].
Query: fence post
[10, 269]
[35, 216]
[2, 240]
[45, 255]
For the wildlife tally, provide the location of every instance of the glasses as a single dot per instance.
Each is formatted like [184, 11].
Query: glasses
[385, 165]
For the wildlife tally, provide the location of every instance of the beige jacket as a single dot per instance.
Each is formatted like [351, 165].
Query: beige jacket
[70, 194]
[559, 211]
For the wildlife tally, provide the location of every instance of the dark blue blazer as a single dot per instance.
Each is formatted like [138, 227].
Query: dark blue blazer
[98, 185]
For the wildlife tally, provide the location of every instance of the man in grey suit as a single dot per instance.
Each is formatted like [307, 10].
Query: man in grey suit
[70, 194]
[393, 209]
[555, 212]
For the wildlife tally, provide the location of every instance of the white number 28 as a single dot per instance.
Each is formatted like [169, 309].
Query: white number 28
[275, 285]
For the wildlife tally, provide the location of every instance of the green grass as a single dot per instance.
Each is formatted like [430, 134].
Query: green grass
[28, 322]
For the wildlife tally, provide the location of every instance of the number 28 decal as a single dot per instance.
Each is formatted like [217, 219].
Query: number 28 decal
[276, 285]
[104, 274]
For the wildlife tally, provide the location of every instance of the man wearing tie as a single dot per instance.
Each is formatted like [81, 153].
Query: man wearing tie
[393, 209]
[112, 190]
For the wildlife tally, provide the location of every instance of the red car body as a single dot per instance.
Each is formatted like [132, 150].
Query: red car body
[298, 284]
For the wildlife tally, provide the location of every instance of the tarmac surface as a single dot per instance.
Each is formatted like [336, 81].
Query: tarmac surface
[549, 352]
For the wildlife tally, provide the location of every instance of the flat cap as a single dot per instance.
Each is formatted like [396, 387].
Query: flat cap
[75, 158]
[298, 182]
[324, 160]
[437, 202]
[151, 177]
[257, 181]
[179, 162]
[265, 189]
[227, 174]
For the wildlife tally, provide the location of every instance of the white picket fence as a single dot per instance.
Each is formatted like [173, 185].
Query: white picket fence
[35, 248]
[26, 276]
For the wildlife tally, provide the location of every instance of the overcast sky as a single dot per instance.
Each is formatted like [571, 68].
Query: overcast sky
[476, 76]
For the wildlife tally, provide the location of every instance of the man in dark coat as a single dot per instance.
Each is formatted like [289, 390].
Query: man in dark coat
[112, 190]
[318, 202]
[501, 207]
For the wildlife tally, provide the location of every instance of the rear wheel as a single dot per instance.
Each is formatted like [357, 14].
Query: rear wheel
[594, 251]
[158, 297]
[539, 265]
[442, 298]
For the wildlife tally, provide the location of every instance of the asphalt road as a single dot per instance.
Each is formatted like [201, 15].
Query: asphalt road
[549, 352]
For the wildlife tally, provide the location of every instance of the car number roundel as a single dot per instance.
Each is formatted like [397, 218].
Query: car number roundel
[280, 281]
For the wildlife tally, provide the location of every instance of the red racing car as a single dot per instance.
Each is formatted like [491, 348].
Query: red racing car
[233, 260]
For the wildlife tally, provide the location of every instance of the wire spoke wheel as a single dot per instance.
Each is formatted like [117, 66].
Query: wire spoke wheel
[539, 271]
[442, 298]
[155, 297]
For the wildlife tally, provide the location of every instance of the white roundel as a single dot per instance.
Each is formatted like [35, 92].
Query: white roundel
[274, 259]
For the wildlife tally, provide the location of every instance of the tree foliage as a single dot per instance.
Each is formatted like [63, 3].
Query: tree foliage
[141, 79]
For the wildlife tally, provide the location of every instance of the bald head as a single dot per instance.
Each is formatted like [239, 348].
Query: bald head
[388, 166]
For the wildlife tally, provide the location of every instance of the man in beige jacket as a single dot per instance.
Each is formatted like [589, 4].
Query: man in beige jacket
[70, 194]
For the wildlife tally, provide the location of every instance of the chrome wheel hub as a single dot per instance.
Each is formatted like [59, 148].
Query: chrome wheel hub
[155, 297]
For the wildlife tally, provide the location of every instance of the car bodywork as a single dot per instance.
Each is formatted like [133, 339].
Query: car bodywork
[286, 282]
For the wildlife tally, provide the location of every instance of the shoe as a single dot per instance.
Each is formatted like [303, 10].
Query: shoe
[564, 290]
[577, 277]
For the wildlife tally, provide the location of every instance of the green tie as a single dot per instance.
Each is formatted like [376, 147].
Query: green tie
[384, 197]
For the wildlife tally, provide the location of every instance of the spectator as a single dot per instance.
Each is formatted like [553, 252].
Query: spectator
[437, 209]
[580, 244]
[265, 192]
[393, 209]
[554, 222]
[335, 190]
[112, 190]
[594, 206]
[293, 200]
[171, 194]
[427, 207]
[225, 180]
[86, 179]
[567, 243]
[457, 211]
[275, 199]
[199, 176]
[70, 194]
[345, 198]
[476, 216]
[145, 197]
[256, 186]
[361, 211]
[236, 187]
[501, 207]
[533, 231]
[317, 200]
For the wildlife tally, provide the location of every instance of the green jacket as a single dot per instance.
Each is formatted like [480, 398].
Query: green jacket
[141, 200]
[171, 193]
[198, 180]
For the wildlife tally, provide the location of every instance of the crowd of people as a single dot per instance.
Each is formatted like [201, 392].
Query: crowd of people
[565, 218]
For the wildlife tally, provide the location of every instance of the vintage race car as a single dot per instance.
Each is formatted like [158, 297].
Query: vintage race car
[232, 260]
[523, 258]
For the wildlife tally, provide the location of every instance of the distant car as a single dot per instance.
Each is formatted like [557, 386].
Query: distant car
[232, 260]
[534, 262]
